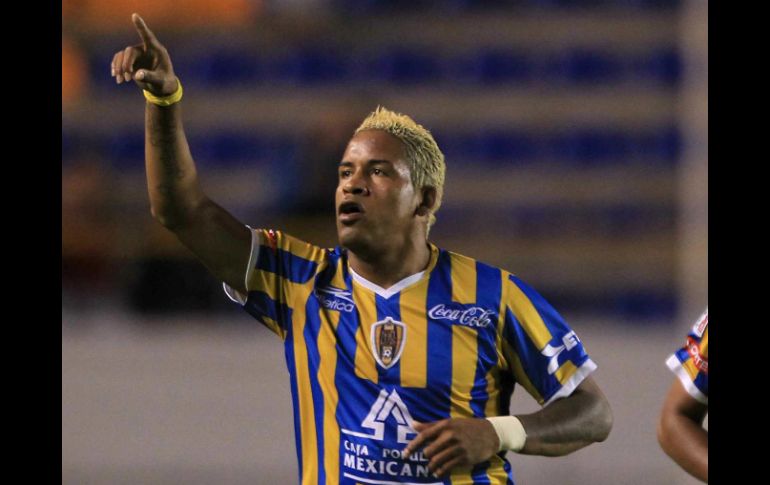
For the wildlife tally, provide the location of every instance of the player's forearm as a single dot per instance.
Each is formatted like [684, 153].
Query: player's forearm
[568, 424]
[686, 442]
[172, 179]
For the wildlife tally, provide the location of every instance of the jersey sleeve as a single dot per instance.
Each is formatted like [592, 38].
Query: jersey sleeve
[691, 362]
[279, 269]
[544, 354]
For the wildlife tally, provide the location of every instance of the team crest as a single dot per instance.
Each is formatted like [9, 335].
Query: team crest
[388, 338]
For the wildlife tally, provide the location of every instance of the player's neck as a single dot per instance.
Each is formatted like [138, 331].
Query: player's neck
[386, 268]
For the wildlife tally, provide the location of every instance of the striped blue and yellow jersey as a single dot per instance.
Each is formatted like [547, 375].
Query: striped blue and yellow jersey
[364, 362]
[691, 362]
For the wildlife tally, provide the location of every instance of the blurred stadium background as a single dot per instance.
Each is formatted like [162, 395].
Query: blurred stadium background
[575, 133]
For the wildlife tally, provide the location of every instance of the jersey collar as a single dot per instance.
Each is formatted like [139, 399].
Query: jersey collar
[401, 285]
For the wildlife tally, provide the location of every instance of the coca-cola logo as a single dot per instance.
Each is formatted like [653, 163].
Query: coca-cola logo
[476, 317]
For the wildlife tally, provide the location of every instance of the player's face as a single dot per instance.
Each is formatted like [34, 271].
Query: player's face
[375, 198]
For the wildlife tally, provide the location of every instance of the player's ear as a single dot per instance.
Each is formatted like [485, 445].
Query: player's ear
[427, 202]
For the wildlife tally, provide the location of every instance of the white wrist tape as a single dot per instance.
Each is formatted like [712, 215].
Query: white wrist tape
[510, 431]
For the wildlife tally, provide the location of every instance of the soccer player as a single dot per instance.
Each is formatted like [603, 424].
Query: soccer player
[680, 427]
[402, 356]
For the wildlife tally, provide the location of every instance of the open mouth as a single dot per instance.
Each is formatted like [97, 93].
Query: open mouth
[350, 211]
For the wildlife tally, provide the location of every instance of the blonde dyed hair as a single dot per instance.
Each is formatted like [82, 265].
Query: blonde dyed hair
[425, 159]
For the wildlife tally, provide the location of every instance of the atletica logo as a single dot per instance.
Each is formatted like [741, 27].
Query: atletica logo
[470, 317]
[335, 299]
[388, 337]
[568, 342]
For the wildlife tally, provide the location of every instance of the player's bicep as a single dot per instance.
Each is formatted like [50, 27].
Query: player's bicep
[679, 402]
[220, 241]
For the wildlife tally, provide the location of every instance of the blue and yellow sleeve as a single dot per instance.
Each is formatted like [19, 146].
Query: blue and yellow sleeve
[278, 265]
[543, 353]
[691, 362]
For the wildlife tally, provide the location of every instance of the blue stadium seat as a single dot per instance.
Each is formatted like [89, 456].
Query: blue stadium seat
[579, 147]
[494, 65]
[229, 148]
[626, 219]
[538, 221]
[445, 140]
[313, 65]
[590, 146]
[78, 145]
[282, 149]
[583, 147]
[99, 62]
[479, 5]
[226, 148]
[604, 4]
[628, 305]
[502, 147]
[605, 220]
[645, 304]
[662, 145]
[368, 7]
[662, 66]
[399, 65]
[584, 66]
[125, 149]
[68, 144]
[459, 147]
[570, 3]
[653, 4]
[226, 67]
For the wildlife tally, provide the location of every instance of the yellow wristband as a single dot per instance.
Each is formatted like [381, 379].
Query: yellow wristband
[165, 100]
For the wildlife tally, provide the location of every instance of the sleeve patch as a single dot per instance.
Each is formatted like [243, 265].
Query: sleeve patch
[272, 240]
[697, 359]
[701, 324]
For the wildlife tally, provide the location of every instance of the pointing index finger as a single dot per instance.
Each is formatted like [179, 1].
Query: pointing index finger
[148, 38]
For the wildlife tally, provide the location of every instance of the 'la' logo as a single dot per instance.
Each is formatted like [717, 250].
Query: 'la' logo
[568, 341]
[388, 337]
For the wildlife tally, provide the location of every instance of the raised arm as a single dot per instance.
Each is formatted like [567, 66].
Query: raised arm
[177, 200]
[681, 433]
